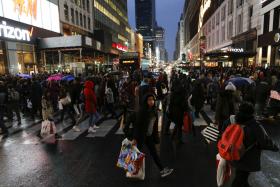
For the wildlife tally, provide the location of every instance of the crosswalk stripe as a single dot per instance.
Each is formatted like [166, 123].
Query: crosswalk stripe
[104, 129]
[72, 135]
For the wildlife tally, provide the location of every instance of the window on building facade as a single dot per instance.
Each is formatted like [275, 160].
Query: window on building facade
[239, 24]
[85, 21]
[276, 19]
[230, 7]
[218, 18]
[81, 20]
[266, 22]
[72, 16]
[223, 33]
[89, 27]
[84, 4]
[66, 12]
[239, 3]
[77, 17]
[213, 39]
[88, 5]
[223, 14]
[209, 26]
[230, 29]
[213, 23]
[217, 37]
[250, 17]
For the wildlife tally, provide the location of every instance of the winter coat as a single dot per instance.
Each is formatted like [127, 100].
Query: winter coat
[224, 107]
[262, 92]
[198, 96]
[143, 118]
[178, 105]
[255, 140]
[90, 97]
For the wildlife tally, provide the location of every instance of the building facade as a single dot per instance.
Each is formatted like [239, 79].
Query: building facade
[20, 30]
[269, 34]
[226, 34]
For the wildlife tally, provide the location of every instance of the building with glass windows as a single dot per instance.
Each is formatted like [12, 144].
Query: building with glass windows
[20, 30]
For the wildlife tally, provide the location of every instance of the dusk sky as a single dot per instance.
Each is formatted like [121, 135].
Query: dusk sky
[168, 14]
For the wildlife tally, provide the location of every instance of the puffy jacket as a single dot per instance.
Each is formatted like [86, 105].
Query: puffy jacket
[90, 97]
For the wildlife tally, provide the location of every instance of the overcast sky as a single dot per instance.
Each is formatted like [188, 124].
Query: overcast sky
[168, 14]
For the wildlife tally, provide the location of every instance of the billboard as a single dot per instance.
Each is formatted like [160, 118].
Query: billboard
[38, 13]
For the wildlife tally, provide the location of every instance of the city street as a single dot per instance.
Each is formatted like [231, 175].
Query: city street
[80, 159]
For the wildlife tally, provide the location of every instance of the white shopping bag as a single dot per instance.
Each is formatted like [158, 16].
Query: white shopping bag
[48, 131]
[223, 171]
[60, 106]
[141, 173]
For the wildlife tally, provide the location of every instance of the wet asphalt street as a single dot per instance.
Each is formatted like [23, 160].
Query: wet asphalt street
[80, 159]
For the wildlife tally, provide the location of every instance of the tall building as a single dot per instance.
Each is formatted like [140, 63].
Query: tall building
[111, 28]
[146, 23]
[160, 44]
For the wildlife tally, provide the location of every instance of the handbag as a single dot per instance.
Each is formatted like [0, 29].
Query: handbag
[66, 100]
[187, 121]
[48, 131]
[211, 133]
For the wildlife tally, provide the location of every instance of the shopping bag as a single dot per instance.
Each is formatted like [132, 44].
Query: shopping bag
[274, 95]
[141, 172]
[223, 170]
[187, 121]
[29, 104]
[211, 133]
[48, 131]
[66, 100]
[129, 157]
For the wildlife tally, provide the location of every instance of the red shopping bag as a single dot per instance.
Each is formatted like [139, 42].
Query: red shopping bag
[187, 121]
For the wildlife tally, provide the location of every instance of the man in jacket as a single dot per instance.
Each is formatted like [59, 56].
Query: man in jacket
[255, 140]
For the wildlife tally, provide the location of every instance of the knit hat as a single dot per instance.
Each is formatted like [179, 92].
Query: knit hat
[230, 87]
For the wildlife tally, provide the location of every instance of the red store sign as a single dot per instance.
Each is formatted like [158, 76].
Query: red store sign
[119, 47]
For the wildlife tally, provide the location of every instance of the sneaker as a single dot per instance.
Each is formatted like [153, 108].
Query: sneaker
[91, 130]
[76, 129]
[96, 127]
[165, 172]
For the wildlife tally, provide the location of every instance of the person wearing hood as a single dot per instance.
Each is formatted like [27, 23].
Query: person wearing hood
[255, 140]
[146, 131]
[225, 106]
[90, 106]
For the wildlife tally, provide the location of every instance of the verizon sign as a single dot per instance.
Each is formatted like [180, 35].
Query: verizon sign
[15, 33]
[38, 13]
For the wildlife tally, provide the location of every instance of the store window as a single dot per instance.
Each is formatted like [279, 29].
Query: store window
[66, 12]
[72, 16]
[77, 17]
[250, 17]
[2, 63]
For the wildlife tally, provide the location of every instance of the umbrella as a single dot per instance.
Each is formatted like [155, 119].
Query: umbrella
[68, 78]
[240, 81]
[26, 76]
[55, 77]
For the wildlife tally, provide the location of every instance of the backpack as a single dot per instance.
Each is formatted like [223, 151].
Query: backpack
[231, 145]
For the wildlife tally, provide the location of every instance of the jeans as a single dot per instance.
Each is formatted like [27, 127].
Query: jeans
[93, 118]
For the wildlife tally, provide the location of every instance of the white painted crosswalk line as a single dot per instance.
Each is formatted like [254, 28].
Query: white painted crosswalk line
[200, 122]
[72, 135]
[104, 129]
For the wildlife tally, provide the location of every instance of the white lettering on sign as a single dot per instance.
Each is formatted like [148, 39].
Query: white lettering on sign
[14, 32]
[236, 50]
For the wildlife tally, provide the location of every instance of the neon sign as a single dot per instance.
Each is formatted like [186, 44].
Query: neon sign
[14, 32]
[119, 47]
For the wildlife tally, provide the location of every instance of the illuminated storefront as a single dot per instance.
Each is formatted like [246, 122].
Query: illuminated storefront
[21, 23]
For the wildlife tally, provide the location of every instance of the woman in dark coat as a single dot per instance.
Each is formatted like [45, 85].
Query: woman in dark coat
[146, 131]
[255, 140]
[198, 98]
